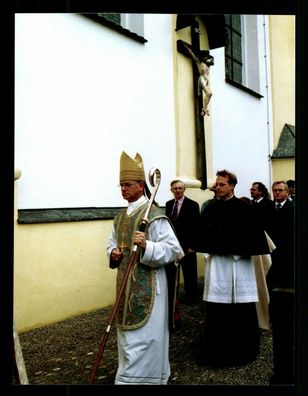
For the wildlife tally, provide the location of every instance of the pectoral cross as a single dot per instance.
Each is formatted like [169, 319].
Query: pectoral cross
[205, 57]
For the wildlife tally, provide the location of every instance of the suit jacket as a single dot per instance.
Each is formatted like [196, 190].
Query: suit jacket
[282, 233]
[187, 222]
[282, 225]
[264, 212]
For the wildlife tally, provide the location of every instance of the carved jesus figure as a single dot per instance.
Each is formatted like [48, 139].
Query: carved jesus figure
[203, 81]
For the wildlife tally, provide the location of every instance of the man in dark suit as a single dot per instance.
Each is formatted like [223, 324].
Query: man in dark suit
[280, 282]
[184, 214]
[263, 206]
[281, 273]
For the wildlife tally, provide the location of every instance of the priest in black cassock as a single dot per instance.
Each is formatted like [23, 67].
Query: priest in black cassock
[229, 236]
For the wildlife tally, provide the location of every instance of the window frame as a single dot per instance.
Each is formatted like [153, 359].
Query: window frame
[116, 21]
[245, 59]
[233, 34]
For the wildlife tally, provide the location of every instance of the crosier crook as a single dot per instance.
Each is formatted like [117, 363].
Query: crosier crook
[155, 183]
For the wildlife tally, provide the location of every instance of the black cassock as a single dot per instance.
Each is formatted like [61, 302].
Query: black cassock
[231, 335]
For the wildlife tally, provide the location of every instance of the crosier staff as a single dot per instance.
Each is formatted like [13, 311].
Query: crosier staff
[155, 183]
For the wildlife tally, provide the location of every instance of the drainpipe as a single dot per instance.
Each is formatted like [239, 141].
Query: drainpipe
[268, 101]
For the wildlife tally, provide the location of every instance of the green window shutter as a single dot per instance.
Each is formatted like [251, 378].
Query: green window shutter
[233, 48]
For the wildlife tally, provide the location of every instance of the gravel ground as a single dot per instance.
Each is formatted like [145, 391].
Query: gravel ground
[64, 352]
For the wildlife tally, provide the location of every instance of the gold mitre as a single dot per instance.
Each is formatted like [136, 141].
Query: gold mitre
[131, 169]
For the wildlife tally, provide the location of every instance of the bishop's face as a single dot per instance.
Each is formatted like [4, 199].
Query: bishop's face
[132, 190]
[224, 190]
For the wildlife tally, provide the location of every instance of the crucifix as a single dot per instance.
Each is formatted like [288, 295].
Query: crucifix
[202, 93]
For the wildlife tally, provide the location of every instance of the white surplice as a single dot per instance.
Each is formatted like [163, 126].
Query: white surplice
[229, 279]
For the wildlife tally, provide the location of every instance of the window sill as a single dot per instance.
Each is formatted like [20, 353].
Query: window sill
[243, 88]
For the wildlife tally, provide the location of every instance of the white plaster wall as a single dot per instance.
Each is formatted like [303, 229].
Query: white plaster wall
[84, 93]
[241, 124]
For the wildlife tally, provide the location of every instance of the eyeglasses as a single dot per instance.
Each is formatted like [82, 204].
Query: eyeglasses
[127, 184]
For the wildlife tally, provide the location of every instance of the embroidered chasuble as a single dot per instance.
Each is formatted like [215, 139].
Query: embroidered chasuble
[137, 301]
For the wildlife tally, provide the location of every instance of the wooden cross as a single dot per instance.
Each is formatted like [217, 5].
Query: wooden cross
[205, 57]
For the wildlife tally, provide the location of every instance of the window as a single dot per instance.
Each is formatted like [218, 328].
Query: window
[233, 49]
[242, 52]
[130, 24]
[133, 22]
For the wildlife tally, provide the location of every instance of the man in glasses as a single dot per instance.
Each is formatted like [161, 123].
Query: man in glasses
[281, 273]
[281, 282]
[142, 317]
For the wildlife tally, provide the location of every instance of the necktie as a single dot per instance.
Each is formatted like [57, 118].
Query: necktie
[174, 214]
[278, 206]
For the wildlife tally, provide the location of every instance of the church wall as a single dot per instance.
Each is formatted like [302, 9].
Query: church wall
[282, 45]
[84, 93]
[284, 169]
[241, 123]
